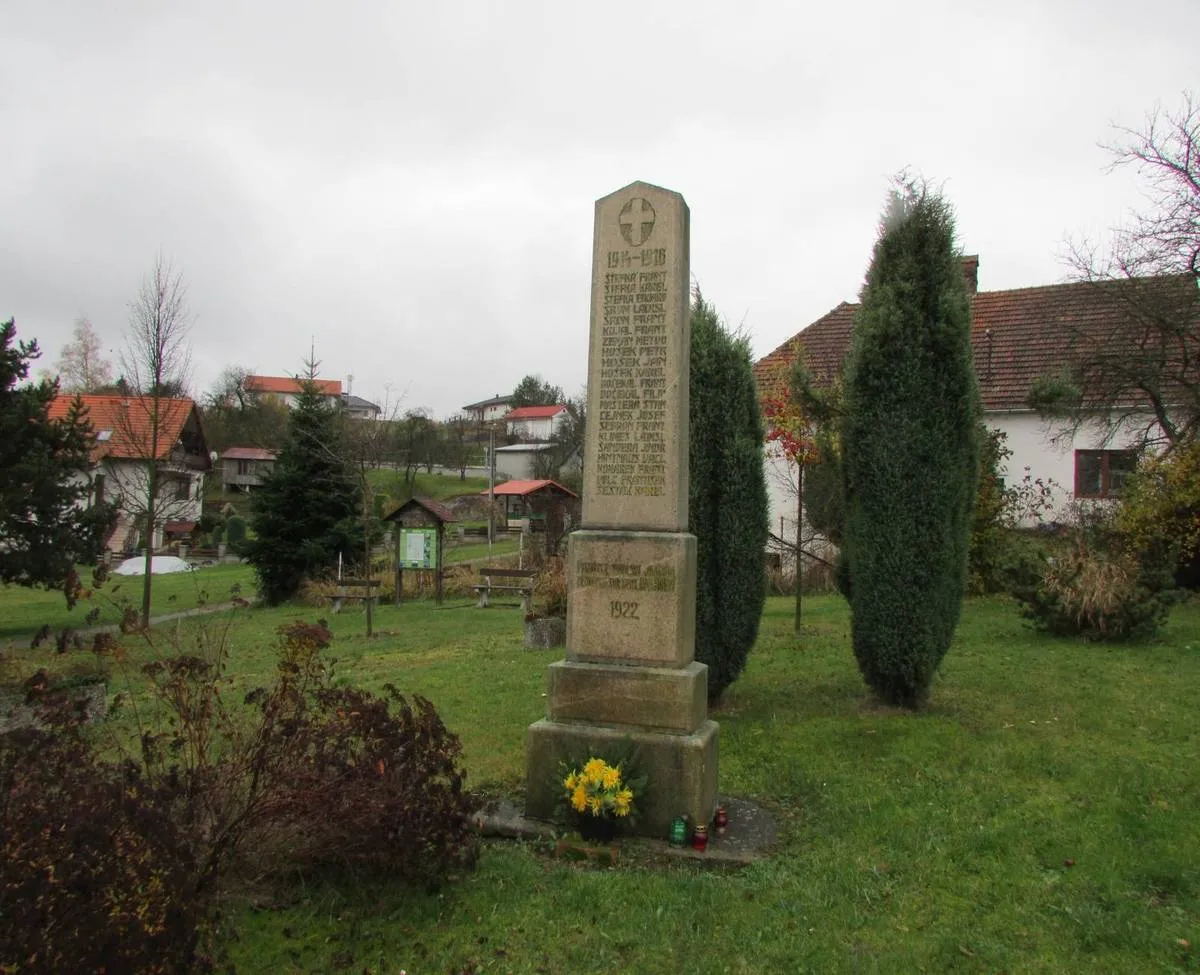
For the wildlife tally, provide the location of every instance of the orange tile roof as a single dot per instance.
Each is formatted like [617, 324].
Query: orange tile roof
[128, 420]
[534, 412]
[1015, 335]
[528, 487]
[287, 385]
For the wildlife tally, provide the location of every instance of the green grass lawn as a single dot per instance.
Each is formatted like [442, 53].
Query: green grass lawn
[436, 486]
[1042, 816]
[24, 611]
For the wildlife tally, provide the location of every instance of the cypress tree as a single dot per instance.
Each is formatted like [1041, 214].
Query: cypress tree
[911, 452]
[306, 510]
[727, 499]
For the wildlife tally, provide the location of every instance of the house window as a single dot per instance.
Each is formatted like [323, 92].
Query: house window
[183, 490]
[98, 489]
[243, 466]
[1102, 473]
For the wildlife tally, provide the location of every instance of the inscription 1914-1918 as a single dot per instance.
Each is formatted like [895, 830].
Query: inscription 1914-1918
[632, 381]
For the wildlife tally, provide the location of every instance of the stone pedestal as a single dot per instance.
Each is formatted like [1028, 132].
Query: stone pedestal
[630, 677]
[680, 770]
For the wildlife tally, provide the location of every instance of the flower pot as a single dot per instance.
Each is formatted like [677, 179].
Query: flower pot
[597, 829]
[545, 633]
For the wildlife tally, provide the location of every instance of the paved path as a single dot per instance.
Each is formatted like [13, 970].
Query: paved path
[88, 631]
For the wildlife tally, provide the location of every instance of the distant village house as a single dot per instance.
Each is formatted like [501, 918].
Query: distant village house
[121, 456]
[243, 468]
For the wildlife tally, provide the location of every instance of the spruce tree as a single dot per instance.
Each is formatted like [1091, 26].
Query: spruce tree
[727, 500]
[911, 451]
[306, 510]
[46, 523]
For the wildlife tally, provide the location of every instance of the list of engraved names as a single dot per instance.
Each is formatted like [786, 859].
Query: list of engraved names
[633, 375]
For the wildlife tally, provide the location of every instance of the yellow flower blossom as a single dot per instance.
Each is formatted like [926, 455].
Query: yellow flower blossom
[595, 805]
[623, 802]
[611, 777]
[594, 769]
[579, 799]
[570, 782]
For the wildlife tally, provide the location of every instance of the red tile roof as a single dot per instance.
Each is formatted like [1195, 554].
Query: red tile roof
[287, 385]
[534, 412]
[1015, 335]
[435, 508]
[248, 453]
[123, 426]
[528, 487]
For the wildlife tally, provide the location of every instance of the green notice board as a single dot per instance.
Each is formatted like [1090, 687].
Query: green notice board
[418, 548]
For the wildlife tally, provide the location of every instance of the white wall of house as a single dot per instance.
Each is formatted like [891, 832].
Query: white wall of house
[180, 497]
[1046, 448]
[536, 429]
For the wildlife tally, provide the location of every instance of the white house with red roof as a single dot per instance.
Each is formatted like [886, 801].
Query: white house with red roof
[535, 423]
[134, 434]
[286, 389]
[1016, 337]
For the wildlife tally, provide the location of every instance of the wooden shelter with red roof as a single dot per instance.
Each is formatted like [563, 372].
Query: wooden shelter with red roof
[131, 433]
[541, 505]
[1016, 337]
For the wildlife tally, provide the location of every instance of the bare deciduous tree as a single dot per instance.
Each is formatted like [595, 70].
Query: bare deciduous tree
[82, 367]
[155, 365]
[1147, 356]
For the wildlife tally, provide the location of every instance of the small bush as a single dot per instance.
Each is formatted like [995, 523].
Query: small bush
[1159, 514]
[376, 783]
[94, 876]
[1097, 590]
[550, 588]
[322, 775]
[235, 531]
[218, 535]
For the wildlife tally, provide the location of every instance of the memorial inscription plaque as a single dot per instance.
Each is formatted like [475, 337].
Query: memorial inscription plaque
[635, 459]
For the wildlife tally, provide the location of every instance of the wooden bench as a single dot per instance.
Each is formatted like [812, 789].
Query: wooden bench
[511, 580]
[355, 590]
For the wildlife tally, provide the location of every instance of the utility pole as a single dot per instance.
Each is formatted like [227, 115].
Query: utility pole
[491, 488]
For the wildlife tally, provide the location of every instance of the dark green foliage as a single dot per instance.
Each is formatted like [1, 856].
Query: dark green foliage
[535, 391]
[910, 451]
[235, 531]
[306, 510]
[727, 498]
[94, 876]
[44, 521]
[1001, 553]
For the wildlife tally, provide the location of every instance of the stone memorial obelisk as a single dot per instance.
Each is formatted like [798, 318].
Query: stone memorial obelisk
[630, 673]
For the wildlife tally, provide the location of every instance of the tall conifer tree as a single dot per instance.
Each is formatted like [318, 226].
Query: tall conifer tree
[911, 452]
[306, 510]
[727, 500]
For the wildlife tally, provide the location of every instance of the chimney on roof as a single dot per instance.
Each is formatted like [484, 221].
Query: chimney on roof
[970, 266]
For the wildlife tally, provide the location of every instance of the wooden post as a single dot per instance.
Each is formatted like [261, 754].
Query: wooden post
[799, 539]
[399, 570]
[438, 569]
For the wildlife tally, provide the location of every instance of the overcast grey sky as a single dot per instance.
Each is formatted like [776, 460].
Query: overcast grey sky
[411, 185]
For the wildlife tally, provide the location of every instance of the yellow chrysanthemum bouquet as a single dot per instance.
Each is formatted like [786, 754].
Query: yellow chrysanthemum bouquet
[599, 796]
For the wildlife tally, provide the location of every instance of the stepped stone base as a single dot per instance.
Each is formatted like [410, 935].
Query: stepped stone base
[680, 770]
[671, 699]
